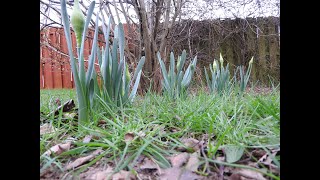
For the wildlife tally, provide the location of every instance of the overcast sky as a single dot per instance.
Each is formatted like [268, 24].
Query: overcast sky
[194, 9]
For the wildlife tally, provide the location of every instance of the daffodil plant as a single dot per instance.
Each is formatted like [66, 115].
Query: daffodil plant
[219, 81]
[176, 83]
[244, 76]
[115, 78]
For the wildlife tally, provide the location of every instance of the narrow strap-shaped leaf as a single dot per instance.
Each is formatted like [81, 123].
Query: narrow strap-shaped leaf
[79, 89]
[172, 74]
[109, 84]
[182, 61]
[208, 80]
[179, 81]
[118, 80]
[93, 53]
[164, 72]
[139, 67]
[91, 92]
[96, 83]
[121, 39]
[135, 87]
[114, 58]
[105, 63]
[81, 62]
[99, 55]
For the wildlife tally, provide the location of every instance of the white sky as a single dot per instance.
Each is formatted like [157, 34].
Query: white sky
[195, 9]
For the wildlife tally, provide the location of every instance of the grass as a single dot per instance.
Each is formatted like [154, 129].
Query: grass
[158, 125]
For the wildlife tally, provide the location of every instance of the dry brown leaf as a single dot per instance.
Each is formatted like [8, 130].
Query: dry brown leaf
[141, 134]
[82, 160]
[176, 173]
[179, 160]
[58, 149]
[87, 139]
[46, 129]
[250, 174]
[123, 175]
[263, 158]
[100, 175]
[190, 143]
[176, 117]
[235, 177]
[69, 115]
[128, 137]
[188, 175]
[148, 164]
[193, 162]
[258, 153]
[221, 158]
[171, 173]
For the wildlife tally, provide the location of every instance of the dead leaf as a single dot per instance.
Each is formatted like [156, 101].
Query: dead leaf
[176, 173]
[190, 143]
[250, 174]
[235, 177]
[58, 149]
[179, 160]
[188, 175]
[82, 160]
[69, 115]
[123, 175]
[47, 129]
[258, 153]
[176, 117]
[141, 134]
[193, 162]
[171, 173]
[66, 107]
[221, 158]
[128, 137]
[70, 139]
[87, 139]
[101, 122]
[99, 175]
[148, 164]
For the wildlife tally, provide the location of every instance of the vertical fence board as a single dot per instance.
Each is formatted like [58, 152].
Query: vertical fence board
[56, 67]
[66, 68]
[48, 78]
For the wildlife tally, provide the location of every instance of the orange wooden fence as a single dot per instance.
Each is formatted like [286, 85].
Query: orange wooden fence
[55, 69]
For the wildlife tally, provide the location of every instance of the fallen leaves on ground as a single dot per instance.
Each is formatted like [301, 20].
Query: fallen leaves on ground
[179, 160]
[128, 137]
[193, 162]
[82, 160]
[123, 175]
[58, 149]
[97, 174]
[246, 173]
[47, 128]
[190, 143]
[87, 139]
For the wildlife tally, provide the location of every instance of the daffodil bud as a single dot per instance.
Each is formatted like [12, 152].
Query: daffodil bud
[251, 61]
[214, 65]
[221, 60]
[77, 21]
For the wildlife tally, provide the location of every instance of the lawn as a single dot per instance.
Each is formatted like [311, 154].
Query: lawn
[200, 137]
